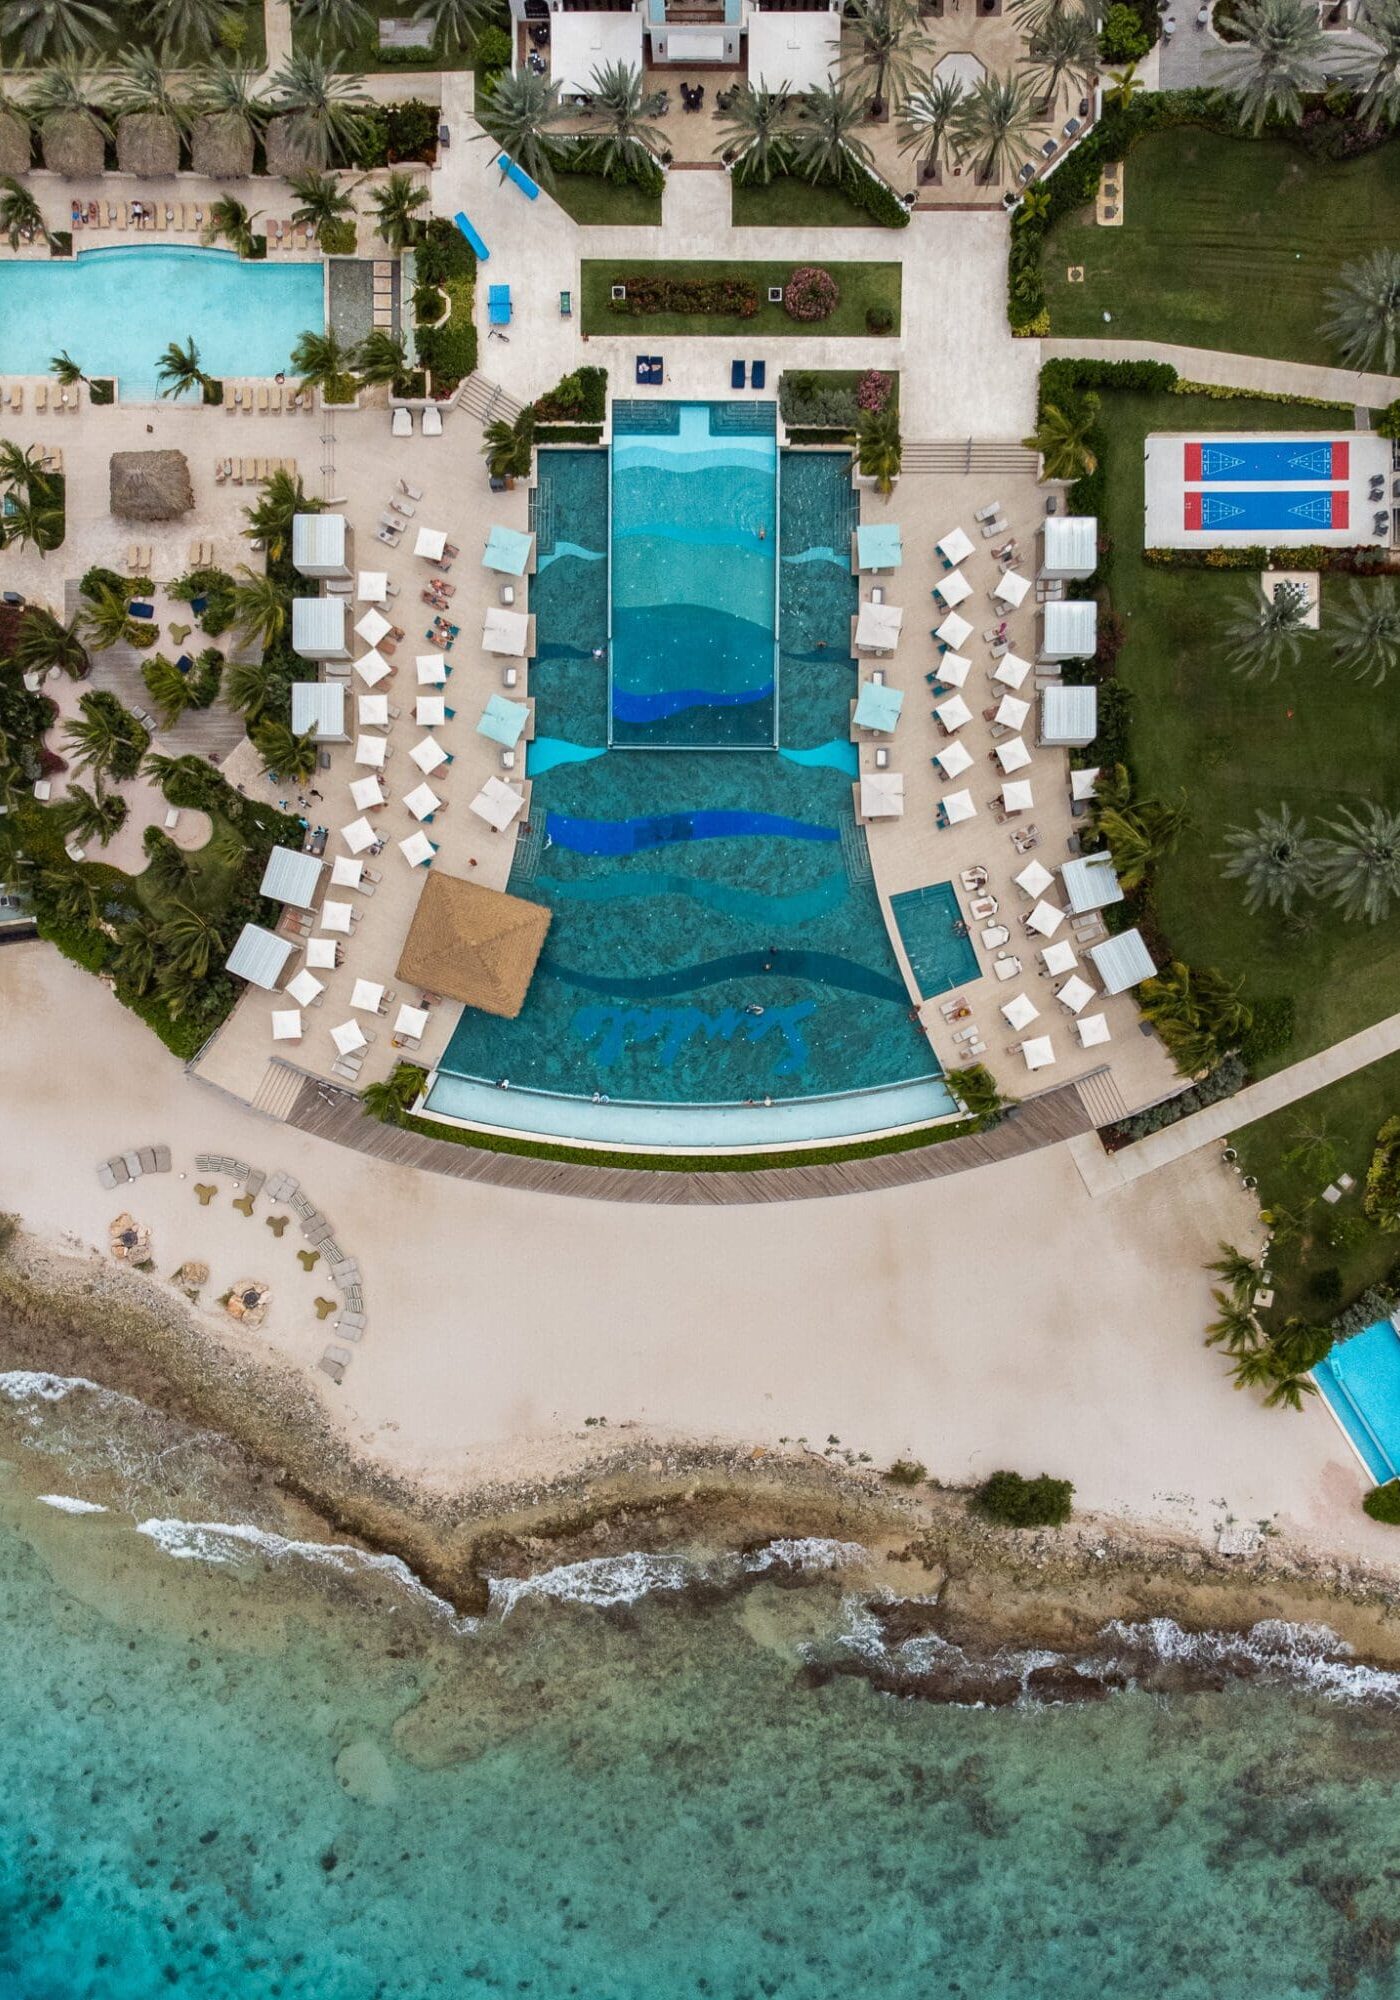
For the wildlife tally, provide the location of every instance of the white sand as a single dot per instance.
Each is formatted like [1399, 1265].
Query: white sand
[1001, 1317]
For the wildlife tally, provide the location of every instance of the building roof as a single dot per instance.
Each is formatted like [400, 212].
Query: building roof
[149, 145]
[291, 877]
[1091, 883]
[1071, 544]
[580, 43]
[259, 956]
[1122, 961]
[793, 51]
[318, 626]
[473, 944]
[221, 147]
[319, 706]
[1071, 629]
[1069, 715]
[318, 542]
[285, 153]
[150, 485]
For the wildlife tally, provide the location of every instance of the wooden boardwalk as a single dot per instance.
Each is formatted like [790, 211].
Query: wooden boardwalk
[1046, 1120]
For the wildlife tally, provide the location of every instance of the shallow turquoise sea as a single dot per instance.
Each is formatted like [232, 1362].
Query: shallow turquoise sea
[238, 1769]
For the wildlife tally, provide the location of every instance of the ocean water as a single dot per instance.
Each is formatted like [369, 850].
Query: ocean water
[233, 1763]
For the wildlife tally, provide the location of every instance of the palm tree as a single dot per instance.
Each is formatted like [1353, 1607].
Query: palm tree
[191, 937]
[32, 517]
[992, 124]
[168, 688]
[178, 370]
[321, 360]
[455, 22]
[756, 133]
[509, 447]
[170, 869]
[44, 29]
[335, 24]
[84, 815]
[1066, 45]
[890, 41]
[1361, 862]
[627, 140]
[321, 200]
[1126, 85]
[179, 988]
[1197, 1012]
[981, 1096]
[231, 90]
[1255, 1367]
[270, 517]
[1365, 319]
[879, 448]
[250, 686]
[20, 465]
[1240, 1273]
[96, 739]
[1234, 1327]
[135, 962]
[926, 118]
[1366, 632]
[66, 371]
[70, 88]
[1141, 835]
[517, 117]
[1379, 22]
[381, 1100]
[1277, 59]
[72, 896]
[1288, 1389]
[1312, 1148]
[824, 142]
[187, 27]
[106, 619]
[1276, 859]
[395, 206]
[381, 356]
[44, 642]
[259, 607]
[1267, 633]
[291, 757]
[1062, 438]
[141, 86]
[324, 107]
[1297, 1345]
[230, 219]
[20, 214]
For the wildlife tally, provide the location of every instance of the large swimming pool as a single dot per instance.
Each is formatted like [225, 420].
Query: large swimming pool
[117, 309]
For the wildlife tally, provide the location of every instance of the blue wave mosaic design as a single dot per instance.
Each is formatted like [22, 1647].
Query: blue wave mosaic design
[747, 905]
[635, 836]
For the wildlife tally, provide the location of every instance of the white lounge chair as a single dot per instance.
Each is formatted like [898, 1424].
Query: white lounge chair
[402, 424]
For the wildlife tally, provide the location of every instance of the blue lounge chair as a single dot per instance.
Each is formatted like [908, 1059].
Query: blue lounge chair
[498, 305]
[758, 376]
[737, 374]
[477, 245]
[521, 179]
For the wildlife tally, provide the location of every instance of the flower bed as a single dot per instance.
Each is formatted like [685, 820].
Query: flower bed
[722, 298]
[811, 293]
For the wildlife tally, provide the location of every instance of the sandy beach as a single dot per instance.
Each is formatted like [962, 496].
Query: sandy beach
[1001, 1317]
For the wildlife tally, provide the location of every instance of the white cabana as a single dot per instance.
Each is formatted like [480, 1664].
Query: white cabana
[430, 711]
[1035, 878]
[878, 627]
[259, 956]
[1069, 716]
[428, 754]
[286, 1024]
[291, 877]
[367, 996]
[349, 1037]
[1011, 671]
[1069, 546]
[1017, 797]
[953, 669]
[373, 668]
[367, 793]
[1011, 588]
[1013, 756]
[372, 711]
[1039, 1053]
[432, 670]
[318, 709]
[318, 628]
[1091, 882]
[505, 632]
[1020, 1011]
[882, 795]
[793, 53]
[955, 547]
[339, 917]
[1075, 994]
[1092, 1029]
[956, 759]
[953, 632]
[582, 43]
[1045, 919]
[370, 751]
[359, 836]
[422, 801]
[958, 806]
[1059, 959]
[319, 545]
[497, 803]
[1122, 961]
[1084, 784]
[1069, 629]
[952, 589]
[417, 850]
[411, 1021]
[304, 988]
[321, 953]
[1012, 712]
[372, 586]
[430, 543]
[373, 627]
[347, 872]
[953, 713]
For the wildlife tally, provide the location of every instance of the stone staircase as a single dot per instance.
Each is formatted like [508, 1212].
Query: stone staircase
[1100, 1096]
[486, 400]
[974, 457]
[277, 1094]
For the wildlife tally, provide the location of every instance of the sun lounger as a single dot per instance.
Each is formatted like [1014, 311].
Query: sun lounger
[262, 396]
[432, 421]
[335, 1360]
[274, 397]
[738, 374]
[16, 399]
[413, 492]
[758, 375]
[990, 528]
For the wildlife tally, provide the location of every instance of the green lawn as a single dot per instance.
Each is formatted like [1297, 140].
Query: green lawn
[1345, 1118]
[123, 31]
[1225, 243]
[363, 52]
[791, 203]
[862, 286]
[1314, 737]
[590, 199]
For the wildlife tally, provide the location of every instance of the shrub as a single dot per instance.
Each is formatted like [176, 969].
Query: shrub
[96, 582]
[811, 293]
[1014, 1502]
[1382, 1198]
[410, 133]
[429, 304]
[442, 253]
[1326, 1285]
[1376, 1302]
[1382, 1503]
[206, 677]
[449, 350]
[492, 51]
[1270, 1033]
[878, 319]
[1110, 746]
[101, 390]
[869, 192]
[1388, 422]
[338, 238]
[1123, 39]
[1224, 1080]
[729, 298]
[579, 397]
[906, 1472]
[873, 390]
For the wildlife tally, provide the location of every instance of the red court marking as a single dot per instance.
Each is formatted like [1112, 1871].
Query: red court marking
[1341, 509]
[1341, 454]
[1193, 464]
[1193, 505]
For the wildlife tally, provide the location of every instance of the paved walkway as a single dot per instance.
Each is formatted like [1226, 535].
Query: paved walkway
[1102, 1172]
[1238, 371]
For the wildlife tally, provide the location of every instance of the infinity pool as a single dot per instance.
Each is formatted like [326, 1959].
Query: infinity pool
[117, 309]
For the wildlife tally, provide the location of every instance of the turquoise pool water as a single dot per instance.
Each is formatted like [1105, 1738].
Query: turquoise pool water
[940, 956]
[716, 936]
[1360, 1381]
[116, 310]
[694, 597]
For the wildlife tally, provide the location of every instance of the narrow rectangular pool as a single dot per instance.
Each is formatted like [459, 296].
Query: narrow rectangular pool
[941, 955]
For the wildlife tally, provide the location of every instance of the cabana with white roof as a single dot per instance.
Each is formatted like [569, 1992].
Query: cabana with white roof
[878, 627]
[320, 545]
[1069, 717]
[956, 759]
[1069, 547]
[952, 589]
[318, 628]
[508, 550]
[581, 43]
[1011, 671]
[955, 548]
[957, 806]
[1013, 756]
[795, 52]
[291, 877]
[1069, 629]
[1122, 961]
[878, 707]
[259, 956]
[498, 803]
[1091, 883]
[879, 545]
[953, 713]
[1040, 1053]
[505, 631]
[882, 795]
[318, 709]
[953, 632]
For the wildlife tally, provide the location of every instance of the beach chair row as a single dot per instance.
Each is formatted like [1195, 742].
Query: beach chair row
[47, 396]
[249, 471]
[137, 214]
[267, 398]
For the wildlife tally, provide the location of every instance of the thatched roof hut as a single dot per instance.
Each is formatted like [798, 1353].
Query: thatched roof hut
[473, 944]
[148, 145]
[221, 147]
[150, 485]
[284, 156]
[72, 146]
[14, 143]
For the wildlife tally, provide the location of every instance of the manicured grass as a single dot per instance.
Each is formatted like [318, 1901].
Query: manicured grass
[364, 53]
[592, 200]
[1332, 1238]
[1225, 243]
[862, 286]
[788, 202]
[1315, 737]
[129, 28]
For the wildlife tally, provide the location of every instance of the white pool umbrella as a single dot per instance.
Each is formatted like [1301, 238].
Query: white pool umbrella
[1012, 588]
[956, 759]
[952, 669]
[1010, 671]
[372, 587]
[498, 803]
[373, 668]
[1039, 1054]
[955, 546]
[951, 590]
[432, 670]
[1020, 1011]
[321, 952]
[1035, 879]
[1059, 958]
[417, 850]
[1045, 919]
[1017, 797]
[954, 631]
[953, 713]
[304, 988]
[428, 754]
[286, 1024]
[1013, 756]
[372, 711]
[367, 996]
[1092, 1029]
[337, 917]
[422, 801]
[349, 1037]
[373, 627]
[430, 711]
[411, 1021]
[1012, 712]
[370, 750]
[431, 544]
[367, 793]
[958, 806]
[345, 873]
[358, 836]
[1076, 993]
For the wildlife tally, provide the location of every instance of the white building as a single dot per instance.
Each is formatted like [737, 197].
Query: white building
[1069, 629]
[318, 709]
[318, 628]
[321, 545]
[1069, 547]
[1069, 717]
[796, 46]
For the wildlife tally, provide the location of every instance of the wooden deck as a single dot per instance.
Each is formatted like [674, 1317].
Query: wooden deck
[1044, 1121]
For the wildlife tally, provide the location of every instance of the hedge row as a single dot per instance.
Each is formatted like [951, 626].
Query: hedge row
[1350, 562]
[726, 298]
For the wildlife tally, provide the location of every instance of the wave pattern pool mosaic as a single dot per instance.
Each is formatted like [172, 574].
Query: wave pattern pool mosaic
[694, 596]
[716, 935]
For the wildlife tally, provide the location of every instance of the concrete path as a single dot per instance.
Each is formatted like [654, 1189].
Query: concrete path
[1238, 371]
[1103, 1172]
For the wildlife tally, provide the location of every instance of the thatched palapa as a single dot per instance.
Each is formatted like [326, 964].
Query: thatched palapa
[72, 146]
[473, 944]
[284, 156]
[150, 485]
[221, 147]
[148, 145]
[14, 144]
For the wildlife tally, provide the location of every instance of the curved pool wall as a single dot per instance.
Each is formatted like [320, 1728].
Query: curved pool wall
[716, 937]
[117, 309]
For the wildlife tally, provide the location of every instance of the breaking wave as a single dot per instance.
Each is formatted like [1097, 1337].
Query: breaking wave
[67, 1504]
[603, 1581]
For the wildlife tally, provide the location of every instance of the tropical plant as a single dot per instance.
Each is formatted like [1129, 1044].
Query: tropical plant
[20, 465]
[1365, 632]
[1365, 317]
[455, 22]
[335, 24]
[105, 619]
[1197, 1012]
[981, 1096]
[191, 938]
[381, 356]
[889, 44]
[322, 361]
[395, 206]
[259, 607]
[104, 737]
[251, 687]
[222, 88]
[992, 125]
[1140, 835]
[44, 642]
[230, 219]
[321, 200]
[179, 989]
[1239, 1272]
[1234, 1327]
[926, 118]
[73, 897]
[170, 870]
[754, 137]
[73, 89]
[325, 108]
[1276, 60]
[141, 86]
[1267, 633]
[879, 448]
[134, 964]
[518, 117]
[168, 688]
[1062, 438]
[1065, 46]
[84, 815]
[824, 142]
[510, 447]
[1381, 1200]
[269, 519]
[290, 756]
[1276, 859]
[33, 517]
[1126, 85]
[20, 214]
[627, 141]
[178, 370]
[44, 29]
[1361, 862]
[1378, 70]
[186, 28]
[1312, 1149]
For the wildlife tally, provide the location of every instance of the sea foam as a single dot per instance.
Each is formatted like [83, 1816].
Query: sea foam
[602, 1581]
[67, 1504]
